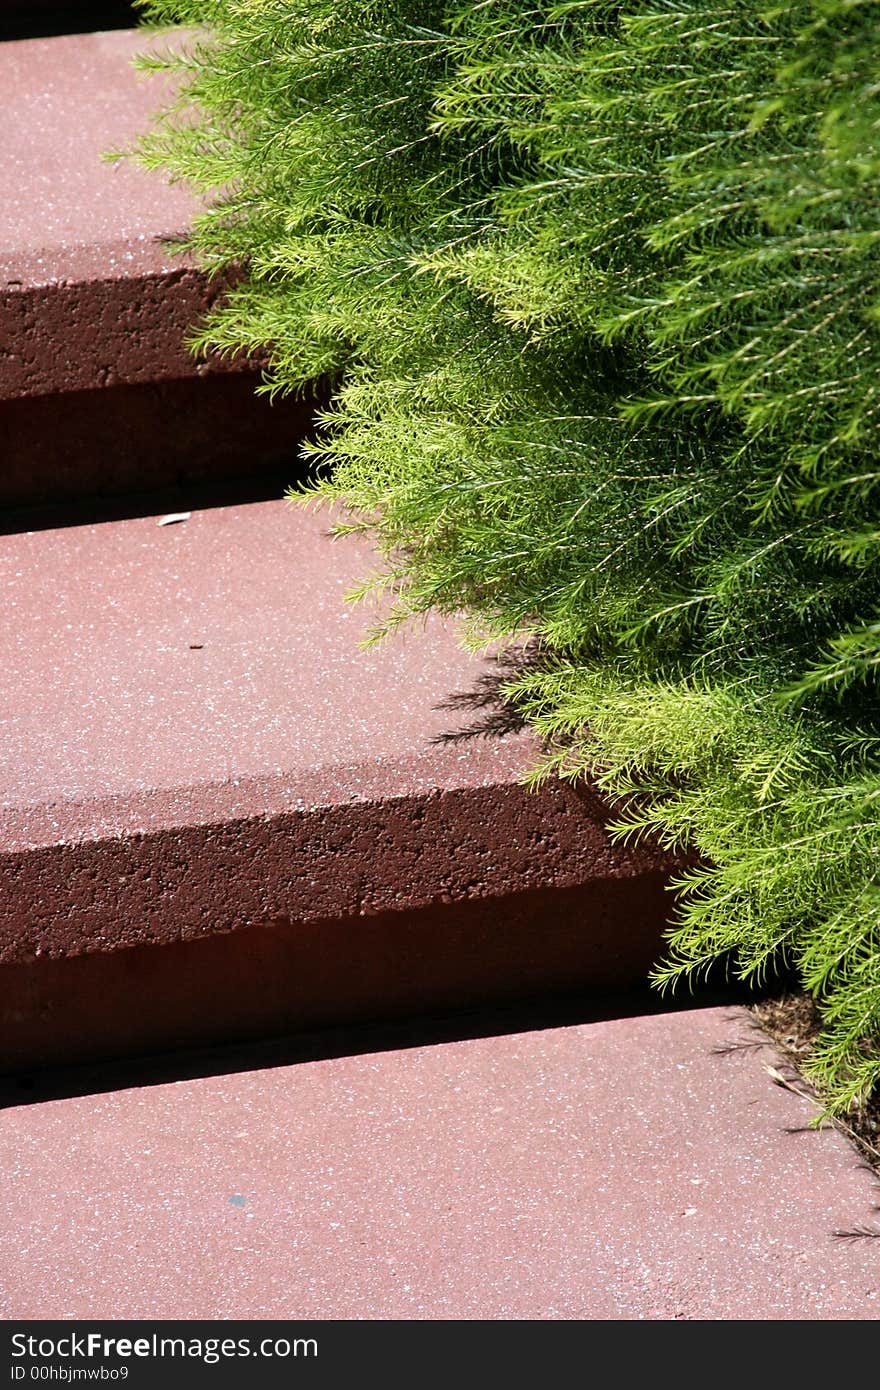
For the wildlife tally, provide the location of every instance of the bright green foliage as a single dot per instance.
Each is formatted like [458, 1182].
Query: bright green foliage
[598, 286]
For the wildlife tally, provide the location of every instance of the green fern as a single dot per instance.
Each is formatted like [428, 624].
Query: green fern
[597, 286]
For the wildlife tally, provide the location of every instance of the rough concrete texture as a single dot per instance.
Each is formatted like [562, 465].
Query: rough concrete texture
[89, 295]
[192, 741]
[278, 978]
[620, 1170]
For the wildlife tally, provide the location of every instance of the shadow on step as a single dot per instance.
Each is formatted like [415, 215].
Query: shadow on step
[286, 993]
[313, 1045]
[140, 450]
[39, 19]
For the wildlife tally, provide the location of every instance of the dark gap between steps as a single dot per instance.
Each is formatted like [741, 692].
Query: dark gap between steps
[364, 1039]
[41, 19]
[137, 450]
[185, 496]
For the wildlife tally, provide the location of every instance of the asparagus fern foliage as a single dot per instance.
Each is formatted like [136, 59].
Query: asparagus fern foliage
[597, 286]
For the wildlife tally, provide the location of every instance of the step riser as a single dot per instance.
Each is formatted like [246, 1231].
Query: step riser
[345, 861]
[134, 439]
[103, 332]
[281, 977]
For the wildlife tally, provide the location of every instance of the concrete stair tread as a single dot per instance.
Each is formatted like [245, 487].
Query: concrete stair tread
[217, 655]
[99, 395]
[632, 1169]
[68, 214]
[195, 744]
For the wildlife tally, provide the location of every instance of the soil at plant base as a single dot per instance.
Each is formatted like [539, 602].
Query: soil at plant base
[794, 1023]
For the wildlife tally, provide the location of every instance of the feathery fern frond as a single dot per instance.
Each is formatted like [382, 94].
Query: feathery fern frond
[598, 285]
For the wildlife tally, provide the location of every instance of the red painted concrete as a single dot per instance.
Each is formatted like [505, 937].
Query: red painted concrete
[89, 296]
[193, 742]
[66, 213]
[619, 1170]
[278, 978]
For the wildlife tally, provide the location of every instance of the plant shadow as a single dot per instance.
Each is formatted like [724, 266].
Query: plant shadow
[494, 713]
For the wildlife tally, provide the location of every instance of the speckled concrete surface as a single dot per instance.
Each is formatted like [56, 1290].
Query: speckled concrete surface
[618, 1170]
[89, 296]
[65, 212]
[192, 741]
[138, 656]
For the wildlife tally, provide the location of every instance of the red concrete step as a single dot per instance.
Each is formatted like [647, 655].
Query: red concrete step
[633, 1169]
[221, 817]
[98, 394]
[80, 452]
[91, 296]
